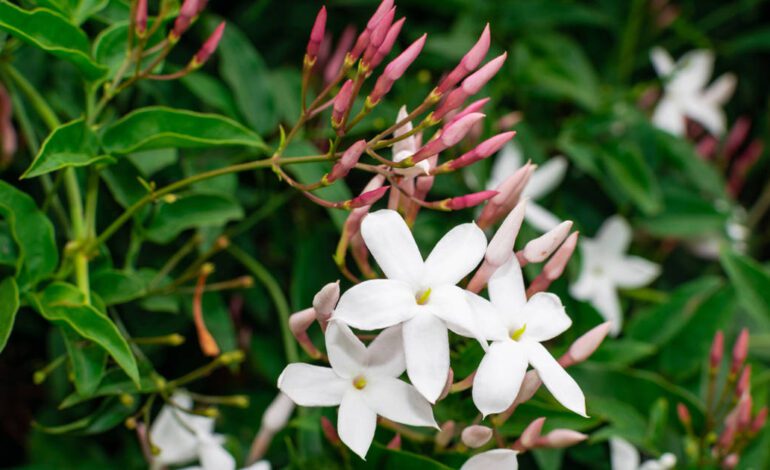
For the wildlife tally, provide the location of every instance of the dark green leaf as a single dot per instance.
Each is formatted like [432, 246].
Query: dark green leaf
[198, 210]
[9, 305]
[117, 287]
[88, 361]
[752, 283]
[76, 10]
[150, 162]
[71, 145]
[632, 176]
[110, 413]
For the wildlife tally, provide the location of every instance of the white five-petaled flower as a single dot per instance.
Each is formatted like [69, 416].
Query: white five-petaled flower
[624, 456]
[686, 93]
[407, 147]
[544, 180]
[362, 381]
[421, 295]
[495, 459]
[605, 267]
[517, 326]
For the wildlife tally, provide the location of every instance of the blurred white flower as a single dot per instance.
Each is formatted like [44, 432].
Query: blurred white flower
[421, 295]
[605, 267]
[517, 326]
[544, 180]
[686, 94]
[624, 456]
[495, 459]
[362, 381]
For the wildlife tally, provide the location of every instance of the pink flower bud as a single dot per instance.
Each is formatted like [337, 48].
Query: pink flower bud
[450, 378]
[717, 350]
[341, 103]
[363, 39]
[387, 44]
[277, 413]
[529, 386]
[299, 322]
[759, 420]
[509, 191]
[445, 434]
[325, 301]
[740, 351]
[316, 34]
[8, 137]
[737, 136]
[450, 135]
[744, 382]
[338, 57]
[475, 436]
[395, 443]
[379, 13]
[378, 36]
[727, 437]
[366, 199]
[560, 438]
[744, 412]
[482, 151]
[731, 461]
[208, 47]
[555, 266]
[474, 107]
[330, 432]
[531, 434]
[540, 248]
[469, 62]
[583, 347]
[500, 248]
[141, 17]
[395, 69]
[684, 415]
[475, 82]
[346, 162]
[454, 100]
[469, 200]
[187, 13]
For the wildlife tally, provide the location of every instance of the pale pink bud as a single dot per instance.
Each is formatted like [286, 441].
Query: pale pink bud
[347, 162]
[468, 63]
[445, 434]
[379, 13]
[717, 350]
[529, 386]
[448, 385]
[395, 443]
[363, 39]
[353, 222]
[531, 434]
[208, 47]
[468, 200]
[555, 266]
[187, 13]
[474, 107]
[338, 57]
[500, 248]
[476, 81]
[475, 436]
[395, 69]
[744, 382]
[560, 438]
[378, 36]
[450, 135]
[737, 136]
[740, 350]
[727, 437]
[299, 322]
[366, 199]
[341, 103]
[277, 413]
[684, 415]
[731, 461]
[707, 146]
[325, 301]
[759, 420]
[540, 248]
[744, 412]
[317, 34]
[453, 101]
[583, 347]
[141, 17]
[482, 151]
[387, 43]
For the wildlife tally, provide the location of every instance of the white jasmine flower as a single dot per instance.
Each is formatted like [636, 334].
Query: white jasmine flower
[544, 180]
[362, 381]
[685, 92]
[421, 295]
[495, 459]
[605, 267]
[517, 326]
[624, 456]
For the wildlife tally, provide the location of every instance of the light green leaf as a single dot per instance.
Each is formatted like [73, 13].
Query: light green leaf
[150, 162]
[198, 210]
[76, 10]
[52, 33]
[71, 145]
[64, 304]
[752, 283]
[158, 127]
[9, 305]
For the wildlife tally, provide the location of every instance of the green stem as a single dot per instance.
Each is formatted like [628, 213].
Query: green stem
[274, 290]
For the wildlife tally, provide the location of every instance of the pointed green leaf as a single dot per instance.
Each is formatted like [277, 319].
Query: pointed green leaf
[9, 305]
[198, 210]
[117, 287]
[71, 145]
[752, 282]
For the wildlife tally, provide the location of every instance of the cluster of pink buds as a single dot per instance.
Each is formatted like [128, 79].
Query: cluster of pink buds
[533, 438]
[729, 415]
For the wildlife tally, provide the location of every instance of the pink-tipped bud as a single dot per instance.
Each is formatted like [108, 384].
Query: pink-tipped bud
[475, 436]
[476, 81]
[363, 39]
[210, 46]
[561, 438]
[316, 35]
[737, 136]
[468, 63]
[474, 107]
[378, 36]
[387, 44]
[366, 199]
[325, 301]
[482, 151]
[727, 436]
[450, 135]
[187, 13]
[382, 9]
[531, 434]
[299, 322]
[584, 346]
[445, 434]
[744, 412]
[717, 350]
[684, 415]
[740, 351]
[554, 268]
[759, 420]
[329, 431]
[744, 382]
[141, 17]
[341, 103]
[395, 443]
[731, 461]
[469, 200]
[450, 378]
[529, 387]
[500, 248]
[277, 413]
[395, 69]
[338, 57]
[540, 248]
[347, 162]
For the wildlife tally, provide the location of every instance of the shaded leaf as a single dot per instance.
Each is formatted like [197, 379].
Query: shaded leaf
[9, 305]
[198, 210]
[71, 145]
[117, 287]
[88, 361]
[752, 283]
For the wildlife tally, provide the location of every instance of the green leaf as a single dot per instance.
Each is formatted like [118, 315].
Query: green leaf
[158, 127]
[76, 10]
[63, 303]
[150, 162]
[117, 287]
[109, 414]
[9, 305]
[111, 44]
[113, 383]
[71, 145]
[52, 33]
[198, 210]
[752, 283]
[33, 233]
[88, 361]
[211, 92]
[629, 171]
[623, 352]
[685, 215]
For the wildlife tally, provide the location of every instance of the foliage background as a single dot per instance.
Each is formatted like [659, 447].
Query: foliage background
[576, 71]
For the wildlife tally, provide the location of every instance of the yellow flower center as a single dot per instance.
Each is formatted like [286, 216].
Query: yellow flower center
[517, 334]
[422, 297]
[359, 382]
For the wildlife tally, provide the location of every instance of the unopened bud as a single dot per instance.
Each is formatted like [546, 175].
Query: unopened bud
[387, 44]
[325, 301]
[468, 63]
[540, 248]
[346, 163]
[584, 346]
[366, 199]
[508, 195]
[395, 443]
[684, 415]
[727, 437]
[341, 103]
[560, 438]
[554, 268]
[450, 135]
[740, 351]
[126, 399]
[482, 151]
[379, 33]
[299, 322]
[717, 350]
[209, 47]
[232, 357]
[529, 386]
[395, 69]
[141, 17]
[744, 382]
[445, 434]
[744, 412]
[731, 461]
[468, 200]
[500, 248]
[474, 107]
[278, 413]
[759, 420]
[476, 436]
[187, 13]
[448, 385]
[470, 86]
[329, 431]
[531, 434]
[316, 36]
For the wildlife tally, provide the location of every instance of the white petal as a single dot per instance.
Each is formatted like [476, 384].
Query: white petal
[669, 116]
[356, 422]
[491, 323]
[426, 344]
[347, 354]
[261, 465]
[506, 163]
[455, 255]
[398, 401]
[721, 90]
[605, 300]
[633, 271]
[540, 218]
[662, 61]
[506, 291]
[499, 377]
[495, 459]
[309, 385]
[546, 178]
[213, 456]
[693, 71]
[408, 145]
[386, 354]
[177, 444]
[707, 114]
[391, 243]
[376, 304]
[545, 317]
[623, 454]
[614, 235]
[559, 383]
[451, 305]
